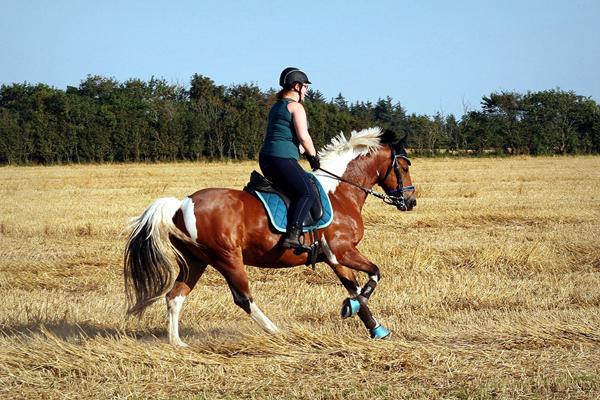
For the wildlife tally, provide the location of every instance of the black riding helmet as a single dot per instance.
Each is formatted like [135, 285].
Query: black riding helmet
[291, 75]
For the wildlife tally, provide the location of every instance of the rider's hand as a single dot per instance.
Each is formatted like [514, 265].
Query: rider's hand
[314, 161]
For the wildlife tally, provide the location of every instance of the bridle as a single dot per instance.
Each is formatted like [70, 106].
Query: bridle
[396, 196]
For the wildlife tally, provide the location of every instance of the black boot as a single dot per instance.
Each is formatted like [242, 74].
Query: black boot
[291, 240]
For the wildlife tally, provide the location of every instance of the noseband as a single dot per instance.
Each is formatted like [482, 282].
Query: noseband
[396, 196]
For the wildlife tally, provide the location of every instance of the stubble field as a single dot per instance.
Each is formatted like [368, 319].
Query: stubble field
[491, 287]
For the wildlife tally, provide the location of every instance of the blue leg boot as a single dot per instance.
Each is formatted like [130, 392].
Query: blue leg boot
[350, 307]
[379, 332]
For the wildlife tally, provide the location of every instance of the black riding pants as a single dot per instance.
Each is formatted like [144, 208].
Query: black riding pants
[289, 177]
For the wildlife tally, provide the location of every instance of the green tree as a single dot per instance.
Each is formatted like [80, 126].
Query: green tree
[12, 144]
[558, 121]
[506, 111]
[341, 103]
[247, 121]
[208, 100]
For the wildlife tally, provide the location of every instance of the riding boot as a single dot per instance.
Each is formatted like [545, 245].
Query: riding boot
[291, 240]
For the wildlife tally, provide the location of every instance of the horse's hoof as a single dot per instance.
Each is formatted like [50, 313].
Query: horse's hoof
[380, 332]
[350, 307]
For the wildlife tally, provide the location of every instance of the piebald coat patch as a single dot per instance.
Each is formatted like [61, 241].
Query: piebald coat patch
[187, 207]
[336, 156]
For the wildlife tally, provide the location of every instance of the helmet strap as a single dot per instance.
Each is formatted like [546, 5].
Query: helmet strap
[299, 93]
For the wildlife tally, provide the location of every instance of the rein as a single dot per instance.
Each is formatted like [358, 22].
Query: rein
[388, 199]
[396, 197]
[367, 190]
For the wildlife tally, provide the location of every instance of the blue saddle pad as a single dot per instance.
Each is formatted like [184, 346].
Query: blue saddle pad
[277, 211]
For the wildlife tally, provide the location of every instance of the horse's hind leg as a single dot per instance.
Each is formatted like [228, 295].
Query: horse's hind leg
[186, 280]
[234, 273]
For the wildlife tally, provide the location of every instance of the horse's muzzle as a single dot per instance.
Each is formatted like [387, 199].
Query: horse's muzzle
[408, 205]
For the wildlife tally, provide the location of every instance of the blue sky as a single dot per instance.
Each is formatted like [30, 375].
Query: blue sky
[431, 56]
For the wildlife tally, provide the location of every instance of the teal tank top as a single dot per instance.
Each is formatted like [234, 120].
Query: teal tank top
[281, 139]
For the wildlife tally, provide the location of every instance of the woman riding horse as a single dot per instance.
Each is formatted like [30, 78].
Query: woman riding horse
[286, 131]
[173, 241]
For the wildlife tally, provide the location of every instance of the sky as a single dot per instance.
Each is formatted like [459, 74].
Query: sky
[430, 56]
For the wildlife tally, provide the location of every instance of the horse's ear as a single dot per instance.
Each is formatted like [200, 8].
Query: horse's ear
[389, 137]
[400, 147]
[402, 143]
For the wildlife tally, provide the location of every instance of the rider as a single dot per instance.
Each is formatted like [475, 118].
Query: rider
[287, 136]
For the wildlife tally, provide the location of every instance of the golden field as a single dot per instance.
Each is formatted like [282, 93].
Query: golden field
[491, 288]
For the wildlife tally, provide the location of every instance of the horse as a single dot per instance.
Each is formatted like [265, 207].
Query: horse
[173, 241]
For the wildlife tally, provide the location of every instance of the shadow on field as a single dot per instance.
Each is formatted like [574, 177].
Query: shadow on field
[83, 330]
[69, 331]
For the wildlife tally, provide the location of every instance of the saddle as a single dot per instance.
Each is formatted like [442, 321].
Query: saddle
[276, 203]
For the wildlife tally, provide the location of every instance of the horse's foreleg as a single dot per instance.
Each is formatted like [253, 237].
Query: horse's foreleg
[357, 304]
[186, 280]
[353, 259]
[348, 279]
[237, 279]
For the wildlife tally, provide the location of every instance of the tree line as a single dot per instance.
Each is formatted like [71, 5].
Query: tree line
[106, 120]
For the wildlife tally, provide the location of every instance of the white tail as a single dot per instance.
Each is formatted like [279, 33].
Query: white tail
[150, 265]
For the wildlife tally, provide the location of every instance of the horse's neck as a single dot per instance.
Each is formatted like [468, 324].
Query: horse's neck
[357, 173]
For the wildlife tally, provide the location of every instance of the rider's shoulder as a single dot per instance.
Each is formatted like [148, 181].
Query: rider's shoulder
[294, 106]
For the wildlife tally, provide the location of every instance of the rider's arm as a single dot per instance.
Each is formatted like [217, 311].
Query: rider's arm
[301, 125]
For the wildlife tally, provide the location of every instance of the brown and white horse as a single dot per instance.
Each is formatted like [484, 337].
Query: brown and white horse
[173, 241]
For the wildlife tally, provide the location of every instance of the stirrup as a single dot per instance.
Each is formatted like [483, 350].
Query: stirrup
[297, 246]
[291, 239]
[301, 248]
[290, 243]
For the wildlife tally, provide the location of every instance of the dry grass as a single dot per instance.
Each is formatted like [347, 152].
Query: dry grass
[491, 287]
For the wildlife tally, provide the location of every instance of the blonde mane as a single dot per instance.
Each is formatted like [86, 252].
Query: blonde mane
[336, 156]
